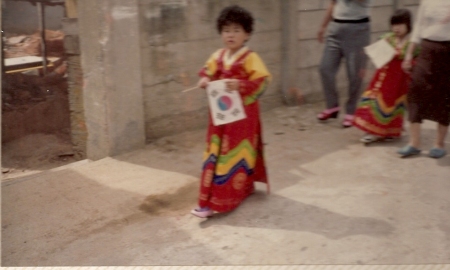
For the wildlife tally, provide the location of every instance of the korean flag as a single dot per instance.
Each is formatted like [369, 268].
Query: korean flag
[225, 106]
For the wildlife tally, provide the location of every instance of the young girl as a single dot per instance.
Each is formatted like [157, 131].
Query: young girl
[233, 159]
[382, 106]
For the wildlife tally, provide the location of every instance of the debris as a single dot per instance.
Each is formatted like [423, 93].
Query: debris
[67, 154]
[23, 95]
[15, 40]
[166, 144]
[18, 46]
[35, 105]
[29, 46]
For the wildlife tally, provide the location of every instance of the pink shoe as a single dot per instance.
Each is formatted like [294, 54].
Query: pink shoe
[328, 113]
[348, 121]
[202, 212]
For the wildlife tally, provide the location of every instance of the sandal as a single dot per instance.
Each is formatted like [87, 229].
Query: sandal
[328, 113]
[348, 121]
[202, 212]
[408, 151]
[369, 138]
[437, 153]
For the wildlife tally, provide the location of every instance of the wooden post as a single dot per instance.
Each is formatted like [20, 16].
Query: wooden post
[41, 16]
[71, 9]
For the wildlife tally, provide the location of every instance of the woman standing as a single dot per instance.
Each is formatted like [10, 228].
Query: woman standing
[348, 25]
[429, 94]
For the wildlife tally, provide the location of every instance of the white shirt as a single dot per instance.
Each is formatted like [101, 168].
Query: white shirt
[433, 21]
[351, 9]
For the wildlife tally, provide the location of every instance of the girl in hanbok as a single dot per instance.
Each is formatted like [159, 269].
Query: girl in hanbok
[233, 158]
[381, 107]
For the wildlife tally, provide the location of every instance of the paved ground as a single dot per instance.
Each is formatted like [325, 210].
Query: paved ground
[334, 201]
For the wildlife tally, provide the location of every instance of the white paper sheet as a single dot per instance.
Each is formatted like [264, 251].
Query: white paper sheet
[380, 52]
[225, 106]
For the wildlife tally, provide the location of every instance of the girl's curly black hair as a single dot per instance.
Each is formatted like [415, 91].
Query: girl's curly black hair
[235, 14]
[402, 16]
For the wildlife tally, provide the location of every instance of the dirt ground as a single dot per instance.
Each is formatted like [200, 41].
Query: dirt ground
[333, 201]
[35, 108]
[35, 125]
[36, 152]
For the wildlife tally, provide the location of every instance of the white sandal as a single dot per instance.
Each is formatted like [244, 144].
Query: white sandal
[369, 138]
[202, 212]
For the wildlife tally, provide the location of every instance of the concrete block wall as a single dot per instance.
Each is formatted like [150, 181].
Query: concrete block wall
[75, 86]
[138, 55]
[77, 117]
[310, 16]
[177, 37]
[410, 4]
[112, 87]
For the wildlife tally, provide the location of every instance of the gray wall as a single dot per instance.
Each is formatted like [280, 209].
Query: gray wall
[22, 17]
[138, 55]
[177, 37]
[112, 86]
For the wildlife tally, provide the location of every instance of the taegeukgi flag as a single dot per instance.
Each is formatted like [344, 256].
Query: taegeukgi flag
[225, 106]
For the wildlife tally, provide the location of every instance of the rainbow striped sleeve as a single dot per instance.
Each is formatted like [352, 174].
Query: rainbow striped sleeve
[259, 78]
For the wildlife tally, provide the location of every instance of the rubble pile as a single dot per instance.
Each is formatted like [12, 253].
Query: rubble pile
[31, 101]
[30, 45]
[22, 90]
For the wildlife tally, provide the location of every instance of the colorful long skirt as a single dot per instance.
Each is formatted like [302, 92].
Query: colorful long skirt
[382, 106]
[232, 162]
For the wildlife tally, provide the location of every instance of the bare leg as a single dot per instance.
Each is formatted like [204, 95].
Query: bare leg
[441, 134]
[414, 140]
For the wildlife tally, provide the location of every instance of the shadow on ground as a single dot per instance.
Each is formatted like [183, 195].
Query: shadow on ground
[279, 213]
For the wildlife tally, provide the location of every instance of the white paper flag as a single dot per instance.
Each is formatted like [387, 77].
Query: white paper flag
[380, 52]
[225, 106]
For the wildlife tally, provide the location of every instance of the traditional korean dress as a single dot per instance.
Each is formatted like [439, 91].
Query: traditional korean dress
[382, 106]
[233, 159]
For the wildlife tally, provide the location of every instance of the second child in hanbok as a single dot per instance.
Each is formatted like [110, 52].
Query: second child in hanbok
[381, 108]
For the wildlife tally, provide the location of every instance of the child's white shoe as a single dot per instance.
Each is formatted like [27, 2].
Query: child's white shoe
[368, 138]
[202, 212]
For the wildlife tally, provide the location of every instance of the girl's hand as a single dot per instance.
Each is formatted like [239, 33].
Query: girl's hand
[203, 82]
[232, 85]
[407, 62]
[407, 65]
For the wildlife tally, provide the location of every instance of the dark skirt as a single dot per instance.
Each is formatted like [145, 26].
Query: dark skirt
[429, 94]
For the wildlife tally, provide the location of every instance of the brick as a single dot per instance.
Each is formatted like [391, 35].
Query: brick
[72, 45]
[310, 53]
[380, 17]
[309, 5]
[309, 23]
